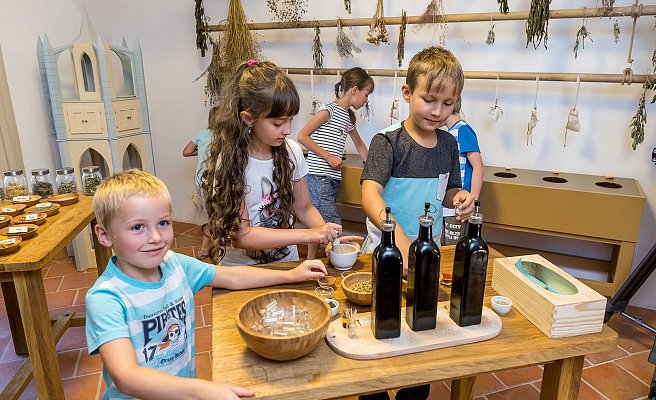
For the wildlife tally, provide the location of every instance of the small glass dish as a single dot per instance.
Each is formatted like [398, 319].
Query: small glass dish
[326, 293]
[327, 282]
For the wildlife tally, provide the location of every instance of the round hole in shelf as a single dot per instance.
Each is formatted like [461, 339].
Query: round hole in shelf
[554, 179]
[609, 185]
[505, 175]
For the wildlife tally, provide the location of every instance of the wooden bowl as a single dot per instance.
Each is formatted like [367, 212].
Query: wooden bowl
[51, 210]
[283, 348]
[20, 219]
[360, 298]
[23, 235]
[6, 209]
[5, 220]
[32, 200]
[11, 248]
[65, 199]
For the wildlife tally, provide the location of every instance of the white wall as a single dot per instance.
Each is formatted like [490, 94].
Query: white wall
[177, 107]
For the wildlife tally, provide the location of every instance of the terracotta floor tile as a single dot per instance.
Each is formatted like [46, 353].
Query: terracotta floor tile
[203, 297]
[8, 370]
[195, 231]
[51, 285]
[634, 340]
[638, 365]
[203, 339]
[207, 314]
[30, 392]
[200, 321]
[187, 251]
[81, 387]
[88, 364]
[647, 315]
[79, 280]
[598, 358]
[439, 391]
[586, 392]
[61, 299]
[485, 383]
[203, 366]
[614, 382]
[524, 392]
[183, 227]
[10, 354]
[62, 256]
[185, 241]
[518, 376]
[81, 293]
[74, 338]
[68, 363]
[62, 269]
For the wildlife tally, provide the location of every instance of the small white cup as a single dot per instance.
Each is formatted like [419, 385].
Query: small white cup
[501, 304]
[346, 258]
[334, 306]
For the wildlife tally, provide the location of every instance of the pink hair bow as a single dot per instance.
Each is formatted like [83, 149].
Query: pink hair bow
[250, 63]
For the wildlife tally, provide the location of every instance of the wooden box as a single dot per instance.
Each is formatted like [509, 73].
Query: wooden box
[566, 308]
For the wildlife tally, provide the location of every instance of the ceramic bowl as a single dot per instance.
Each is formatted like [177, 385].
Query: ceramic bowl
[334, 306]
[65, 199]
[29, 200]
[22, 219]
[31, 231]
[10, 248]
[12, 209]
[48, 208]
[283, 348]
[343, 257]
[501, 304]
[360, 298]
[5, 220]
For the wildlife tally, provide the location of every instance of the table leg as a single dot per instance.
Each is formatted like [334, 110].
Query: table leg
[561, 379]
[463, 388]
[14, 317]
[40, 342]
[103, 254]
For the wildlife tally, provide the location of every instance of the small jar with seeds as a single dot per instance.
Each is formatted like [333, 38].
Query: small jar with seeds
[91, 179]
[15, 183]
[42, 183]
[65, 180]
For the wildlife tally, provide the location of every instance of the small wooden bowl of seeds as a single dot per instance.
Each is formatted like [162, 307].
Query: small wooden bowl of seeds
[357, 288]
[35, 218]
[8, 244]
[65, 199]
[47, 207]
[5, 220]
[27, 201]
[25, 231]
[12, 209]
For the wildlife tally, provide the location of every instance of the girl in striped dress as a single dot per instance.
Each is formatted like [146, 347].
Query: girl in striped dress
[325, 137]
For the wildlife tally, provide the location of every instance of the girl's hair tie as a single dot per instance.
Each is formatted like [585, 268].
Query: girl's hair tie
[250, 63]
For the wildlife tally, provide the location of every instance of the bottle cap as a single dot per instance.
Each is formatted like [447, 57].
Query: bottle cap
[426, 220]
[476, 217]
[388, 224]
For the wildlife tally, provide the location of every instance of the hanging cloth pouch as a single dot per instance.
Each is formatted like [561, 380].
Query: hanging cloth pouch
[573, 123]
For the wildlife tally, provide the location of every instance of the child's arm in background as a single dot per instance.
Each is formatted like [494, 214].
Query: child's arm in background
[374, 207]
[476, 162]
[359, 144]
[305, 138]
[141, 382]
[190, 149]
[237, 278]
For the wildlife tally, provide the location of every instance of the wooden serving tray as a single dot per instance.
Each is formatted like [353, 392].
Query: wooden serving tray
[447, 334]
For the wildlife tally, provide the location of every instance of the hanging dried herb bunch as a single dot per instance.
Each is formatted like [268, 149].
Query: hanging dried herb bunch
[377, 31]
[202, 36]
[434, 14]
[638, 122]
[490, 36]
[347, 6]
[616, 31]
[537, 23]
[400, 48]
[317, 53]
[581, 35]
[503, 6]
[607, 5]
[287, 10]
[235, 46]
[345, 46]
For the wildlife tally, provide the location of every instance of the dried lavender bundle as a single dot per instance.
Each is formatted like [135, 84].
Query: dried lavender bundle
[345, 46]
[317, 53]
[503, 6]
[537, 23]
[581, 35]
[347, 6]
[638, 122]
[400, 48]
[490, 36]
[202, 36]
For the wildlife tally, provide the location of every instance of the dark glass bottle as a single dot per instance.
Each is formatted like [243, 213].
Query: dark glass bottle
[423, 277]
[469, 268]
[387, 271]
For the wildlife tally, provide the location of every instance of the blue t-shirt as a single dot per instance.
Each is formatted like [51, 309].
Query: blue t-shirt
[157, 317]
[467, 143]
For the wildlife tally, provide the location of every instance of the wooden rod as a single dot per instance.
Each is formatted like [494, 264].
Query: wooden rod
[509, 76]
[628, 11]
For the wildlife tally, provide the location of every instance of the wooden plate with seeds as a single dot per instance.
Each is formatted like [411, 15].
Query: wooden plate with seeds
[23, 231]
[29, 219]
[27, 201]
[9, 245]
[49, 208]
[65, 199]
[5, 220]
[12, 209]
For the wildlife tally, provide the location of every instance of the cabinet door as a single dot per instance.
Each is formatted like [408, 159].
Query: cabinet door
[128, 115]
[75, 119]
[84, 118]
[94, 119]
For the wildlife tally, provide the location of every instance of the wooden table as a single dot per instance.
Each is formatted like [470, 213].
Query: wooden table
[323, 374]
[31, 327]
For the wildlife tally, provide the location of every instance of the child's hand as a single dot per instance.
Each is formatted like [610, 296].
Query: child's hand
[308, 269]
[325, 233]
[221, 391]
[335, 162]
[463, 203]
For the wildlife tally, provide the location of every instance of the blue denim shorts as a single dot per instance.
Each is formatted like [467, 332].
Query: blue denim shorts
[323, 193]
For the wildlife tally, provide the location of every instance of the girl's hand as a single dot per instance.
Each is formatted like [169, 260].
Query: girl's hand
[335, 162]
[325, 233]
[463, 203]
[345, 239]
[308, 269]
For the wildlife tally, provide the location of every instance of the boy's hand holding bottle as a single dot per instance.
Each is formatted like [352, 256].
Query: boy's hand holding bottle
[463, 203]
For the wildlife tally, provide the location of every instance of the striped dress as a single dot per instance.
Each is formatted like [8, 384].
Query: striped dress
[331, 136]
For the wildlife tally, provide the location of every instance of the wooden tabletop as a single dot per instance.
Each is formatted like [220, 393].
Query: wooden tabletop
[51, 237]
[323, 374]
